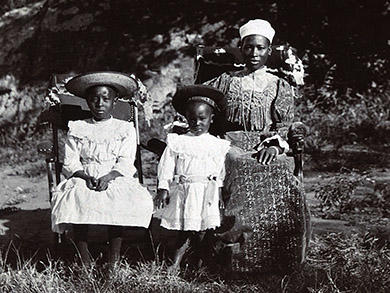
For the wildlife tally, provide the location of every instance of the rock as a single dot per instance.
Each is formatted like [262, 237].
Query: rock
[61, 36]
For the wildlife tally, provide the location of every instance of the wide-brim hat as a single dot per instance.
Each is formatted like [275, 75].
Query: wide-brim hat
[123, 84]
[204, 93]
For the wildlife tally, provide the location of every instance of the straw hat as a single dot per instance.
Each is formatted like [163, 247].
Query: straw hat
[122, 83]
[203, 93]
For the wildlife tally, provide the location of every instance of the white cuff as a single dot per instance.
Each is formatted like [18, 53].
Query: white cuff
[163, 184]
[281, 143]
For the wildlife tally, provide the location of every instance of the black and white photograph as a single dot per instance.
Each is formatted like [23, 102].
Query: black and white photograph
[194, 146]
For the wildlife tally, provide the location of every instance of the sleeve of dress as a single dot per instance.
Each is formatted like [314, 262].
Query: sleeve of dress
[72, 161]
[127, 151]
[220, 82]
[283, 105]
[166, 168]
[221, 176]
[225, 146]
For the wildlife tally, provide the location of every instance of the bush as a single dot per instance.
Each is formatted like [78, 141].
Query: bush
[337, 193]
[352, 192]
[352, 119]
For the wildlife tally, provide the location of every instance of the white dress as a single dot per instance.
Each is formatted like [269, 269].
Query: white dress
[192, 170]
[98, 147]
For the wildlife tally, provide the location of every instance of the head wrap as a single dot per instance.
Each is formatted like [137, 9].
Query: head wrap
[257, 27]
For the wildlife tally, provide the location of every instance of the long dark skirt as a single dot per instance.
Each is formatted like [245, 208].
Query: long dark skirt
[266, 219]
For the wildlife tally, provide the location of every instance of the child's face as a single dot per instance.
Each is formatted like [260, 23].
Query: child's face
[199, 116]
[101, 100]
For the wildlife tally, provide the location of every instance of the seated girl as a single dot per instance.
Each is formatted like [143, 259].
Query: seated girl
[191, 173]
[99, 159]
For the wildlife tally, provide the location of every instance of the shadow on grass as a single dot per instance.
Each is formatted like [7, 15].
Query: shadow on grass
[27, 235]
[351, 158]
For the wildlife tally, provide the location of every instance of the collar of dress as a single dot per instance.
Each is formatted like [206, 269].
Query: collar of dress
[109, 120]
[259, 71]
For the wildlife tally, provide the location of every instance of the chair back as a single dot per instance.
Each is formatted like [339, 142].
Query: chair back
[211, 62]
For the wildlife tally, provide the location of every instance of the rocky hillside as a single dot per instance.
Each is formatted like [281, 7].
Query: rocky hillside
[45, 37]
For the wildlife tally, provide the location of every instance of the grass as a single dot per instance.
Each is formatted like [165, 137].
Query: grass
[336, 263]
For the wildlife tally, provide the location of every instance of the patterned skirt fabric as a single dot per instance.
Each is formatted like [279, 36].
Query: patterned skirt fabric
[265, 212]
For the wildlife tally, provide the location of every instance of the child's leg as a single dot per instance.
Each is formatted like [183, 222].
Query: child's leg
[81, 239]
[207, 250]
[196, 243]
[181, 247]
[115, 243]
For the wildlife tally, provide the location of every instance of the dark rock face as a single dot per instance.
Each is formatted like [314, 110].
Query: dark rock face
[61, 36]
[55, 36]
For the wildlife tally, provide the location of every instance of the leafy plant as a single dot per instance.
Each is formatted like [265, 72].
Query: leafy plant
[337, 192]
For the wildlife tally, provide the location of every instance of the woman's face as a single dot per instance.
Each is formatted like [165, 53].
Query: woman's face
[255, 49]
[199, 116]
[101, 101]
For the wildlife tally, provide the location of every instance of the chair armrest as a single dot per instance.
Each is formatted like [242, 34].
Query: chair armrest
[46, 148]
[296, 137]
[156, 146]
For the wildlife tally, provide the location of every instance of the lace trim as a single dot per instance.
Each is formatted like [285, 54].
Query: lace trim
[117, 130]
[250, 100]
[210, 147]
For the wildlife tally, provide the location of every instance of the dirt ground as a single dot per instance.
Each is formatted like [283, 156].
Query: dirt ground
[25, 209]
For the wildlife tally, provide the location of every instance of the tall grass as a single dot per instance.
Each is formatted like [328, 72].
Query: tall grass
[336, 263]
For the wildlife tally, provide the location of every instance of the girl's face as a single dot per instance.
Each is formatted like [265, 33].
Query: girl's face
[199, 116]
[255, 49]
[101, 101]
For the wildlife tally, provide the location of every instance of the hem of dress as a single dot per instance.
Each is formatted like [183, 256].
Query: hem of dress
[62, 226]
[215, 222]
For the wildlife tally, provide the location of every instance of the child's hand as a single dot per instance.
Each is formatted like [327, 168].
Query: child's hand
[221, 201]
[91, 182]
[221, 205]
[161, 199]
[102, 182]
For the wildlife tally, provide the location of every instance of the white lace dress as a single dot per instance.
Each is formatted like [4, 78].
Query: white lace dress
[192, 170]
[98, 148]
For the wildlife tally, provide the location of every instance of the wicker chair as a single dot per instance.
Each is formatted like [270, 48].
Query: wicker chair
[211, 62]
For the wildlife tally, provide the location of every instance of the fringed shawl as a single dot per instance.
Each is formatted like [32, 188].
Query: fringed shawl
[256, 100]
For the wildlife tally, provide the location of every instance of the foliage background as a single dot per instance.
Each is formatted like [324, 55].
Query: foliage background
[344, 46]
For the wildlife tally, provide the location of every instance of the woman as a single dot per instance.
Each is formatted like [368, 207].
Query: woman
[266, 210]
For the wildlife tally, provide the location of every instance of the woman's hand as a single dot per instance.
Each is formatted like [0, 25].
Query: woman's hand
[267, 155]
[102, 182]
[161, 199]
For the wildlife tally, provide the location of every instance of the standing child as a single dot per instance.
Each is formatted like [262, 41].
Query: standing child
[99, 158]
[191, 172]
